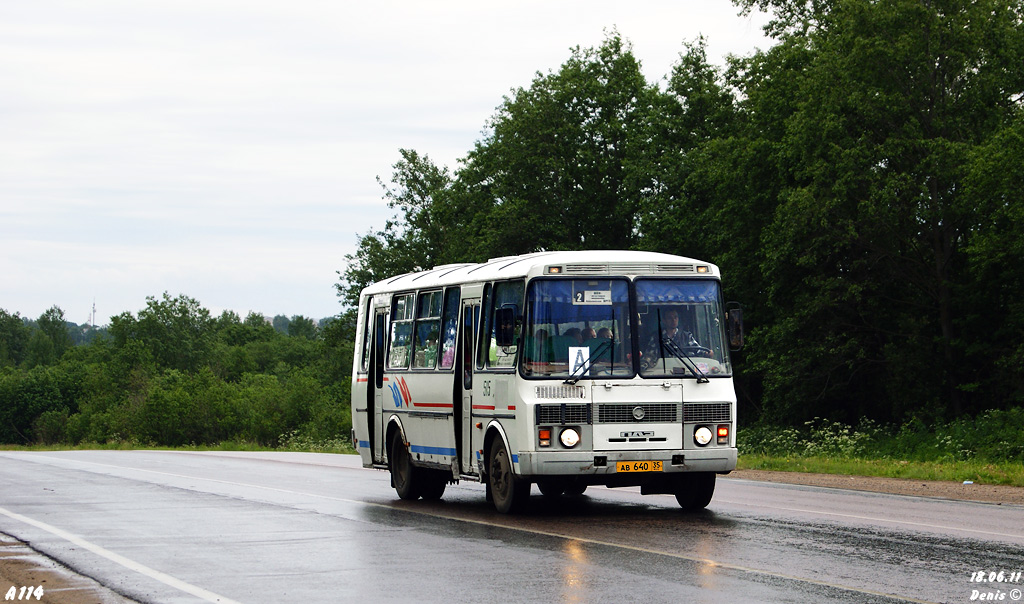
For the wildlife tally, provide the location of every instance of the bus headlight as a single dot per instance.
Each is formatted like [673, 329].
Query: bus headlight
[702, 436]
[569, 438]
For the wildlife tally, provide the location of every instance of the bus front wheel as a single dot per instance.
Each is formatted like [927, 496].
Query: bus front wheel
[694, 491]
[508, 492]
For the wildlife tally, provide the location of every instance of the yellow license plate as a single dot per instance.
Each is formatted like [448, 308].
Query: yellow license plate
[638, 466]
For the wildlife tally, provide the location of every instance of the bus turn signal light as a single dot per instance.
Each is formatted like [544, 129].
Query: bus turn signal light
[723, 434]
[544, 436]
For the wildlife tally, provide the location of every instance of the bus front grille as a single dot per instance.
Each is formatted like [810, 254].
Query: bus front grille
[707, 412]
[657, 413]
[565, 413]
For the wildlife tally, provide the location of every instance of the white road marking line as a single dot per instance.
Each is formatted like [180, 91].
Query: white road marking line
[132, 565]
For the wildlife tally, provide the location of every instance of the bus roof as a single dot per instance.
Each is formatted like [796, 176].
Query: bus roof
[591, 263]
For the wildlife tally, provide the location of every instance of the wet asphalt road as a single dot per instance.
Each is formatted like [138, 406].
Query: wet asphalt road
[278, 527]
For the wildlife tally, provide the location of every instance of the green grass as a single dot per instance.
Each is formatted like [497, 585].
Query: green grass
[980, 472]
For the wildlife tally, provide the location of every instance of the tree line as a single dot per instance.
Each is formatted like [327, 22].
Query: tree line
[174, 375]
[859, 183]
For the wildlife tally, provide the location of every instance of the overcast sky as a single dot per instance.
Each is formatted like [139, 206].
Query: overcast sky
[228, 149]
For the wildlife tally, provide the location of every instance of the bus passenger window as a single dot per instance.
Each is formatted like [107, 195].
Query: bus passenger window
[450, 327]
[401, 332]
[428, 330]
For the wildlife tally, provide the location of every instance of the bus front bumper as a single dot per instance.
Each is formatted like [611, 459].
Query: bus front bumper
[596, 463]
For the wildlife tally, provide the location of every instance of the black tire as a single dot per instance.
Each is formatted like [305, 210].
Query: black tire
[551, 488]
[509, 493]
[404, 476]
[433, 484]
[575, 489]
[694, 491]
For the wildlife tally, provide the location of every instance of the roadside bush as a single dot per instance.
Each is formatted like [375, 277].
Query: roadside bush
[992, 436]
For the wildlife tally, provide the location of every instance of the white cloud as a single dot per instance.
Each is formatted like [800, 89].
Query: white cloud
[228, 149]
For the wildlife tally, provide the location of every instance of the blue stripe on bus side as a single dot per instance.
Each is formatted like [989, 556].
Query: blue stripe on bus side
[364, 444]
[432, 450]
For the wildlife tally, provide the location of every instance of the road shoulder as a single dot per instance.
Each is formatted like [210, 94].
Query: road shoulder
[26, 570]
[986, 493]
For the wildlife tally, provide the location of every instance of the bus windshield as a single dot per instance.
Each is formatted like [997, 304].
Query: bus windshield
[577, 328]
[682, 331]
[580, 328]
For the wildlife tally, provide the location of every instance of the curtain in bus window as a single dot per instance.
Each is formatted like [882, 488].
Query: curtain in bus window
[651, 290]
[450, 327]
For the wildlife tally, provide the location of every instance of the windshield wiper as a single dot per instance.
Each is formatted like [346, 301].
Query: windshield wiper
[677, 352]
[585, 367]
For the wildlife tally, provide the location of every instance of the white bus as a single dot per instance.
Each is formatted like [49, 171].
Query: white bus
[561, 369]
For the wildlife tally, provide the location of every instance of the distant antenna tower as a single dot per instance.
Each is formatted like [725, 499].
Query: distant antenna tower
[93, 322]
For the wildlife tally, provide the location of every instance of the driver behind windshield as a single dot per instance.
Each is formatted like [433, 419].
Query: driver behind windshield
[670, 330]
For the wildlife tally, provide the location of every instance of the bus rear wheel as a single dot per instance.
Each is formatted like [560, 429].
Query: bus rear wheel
[694, 491]
[404, 476]
[508, 492]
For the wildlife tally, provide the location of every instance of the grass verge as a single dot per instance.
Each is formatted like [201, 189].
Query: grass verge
[1003, 473]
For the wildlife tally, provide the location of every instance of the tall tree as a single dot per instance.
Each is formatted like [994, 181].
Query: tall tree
[425, 231]
[867, 246]
[177, 332]
[302, 327]
[53, 324]
[14, 336]
[561, 167]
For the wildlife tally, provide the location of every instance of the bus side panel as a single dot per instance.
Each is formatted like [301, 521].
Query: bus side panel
[424, 400]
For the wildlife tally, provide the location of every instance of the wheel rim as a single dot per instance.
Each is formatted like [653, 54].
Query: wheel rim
[401, 466]
[500, 476]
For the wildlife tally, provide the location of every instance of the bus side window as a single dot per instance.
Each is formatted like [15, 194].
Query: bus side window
[505, 325]
[367, 329]
[449, 327]
[401, 332]
[428, 326]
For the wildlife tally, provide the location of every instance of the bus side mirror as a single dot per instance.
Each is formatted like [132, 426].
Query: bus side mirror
[734, 325]
[505, 326]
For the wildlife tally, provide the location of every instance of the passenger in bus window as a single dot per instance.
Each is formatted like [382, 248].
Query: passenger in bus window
[560, 344]
[448, 350]
[600, 345]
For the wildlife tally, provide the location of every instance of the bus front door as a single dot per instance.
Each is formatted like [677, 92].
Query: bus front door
[376, 406]
[464, 417]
